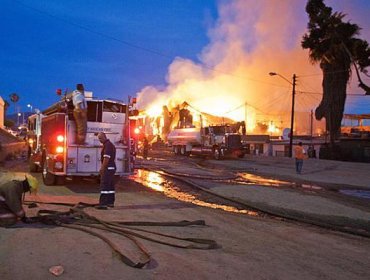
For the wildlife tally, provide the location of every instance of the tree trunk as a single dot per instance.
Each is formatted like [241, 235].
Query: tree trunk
[332, 104]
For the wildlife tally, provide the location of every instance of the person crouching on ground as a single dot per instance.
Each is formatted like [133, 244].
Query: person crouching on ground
[11, 209]
[107, 171]
[300, 155]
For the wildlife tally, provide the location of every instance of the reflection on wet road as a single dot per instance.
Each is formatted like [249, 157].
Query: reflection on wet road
[252, 179]
[255, 180]
[182, 192]
[156, 182]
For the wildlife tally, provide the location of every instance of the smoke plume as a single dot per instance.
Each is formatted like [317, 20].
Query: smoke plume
[248, 40]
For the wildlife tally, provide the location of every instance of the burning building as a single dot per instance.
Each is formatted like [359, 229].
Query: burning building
[230, 79]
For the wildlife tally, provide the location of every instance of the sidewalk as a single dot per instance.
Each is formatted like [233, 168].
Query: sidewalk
[314, 170]
[320, 195]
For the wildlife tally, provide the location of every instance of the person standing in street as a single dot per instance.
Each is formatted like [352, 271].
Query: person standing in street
[300, 155]
[107, 171]
[145, 148]
[11, 209]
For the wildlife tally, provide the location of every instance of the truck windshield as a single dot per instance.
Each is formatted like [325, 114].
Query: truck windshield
[113, 107]
[218, 130]
[95, 109]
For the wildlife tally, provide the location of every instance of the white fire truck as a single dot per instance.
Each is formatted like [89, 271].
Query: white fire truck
[52, 135]
[216, 141]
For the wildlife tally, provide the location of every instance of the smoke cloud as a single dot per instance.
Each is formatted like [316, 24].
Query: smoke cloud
[248, 40]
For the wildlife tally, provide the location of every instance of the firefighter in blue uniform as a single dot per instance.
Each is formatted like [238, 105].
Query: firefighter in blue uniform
[107, 171]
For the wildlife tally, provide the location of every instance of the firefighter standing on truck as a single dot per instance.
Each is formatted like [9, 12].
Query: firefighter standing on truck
[11, 193]
[80, 113]
[107, 171]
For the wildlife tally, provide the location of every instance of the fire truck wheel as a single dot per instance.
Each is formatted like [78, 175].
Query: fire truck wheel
[33, 167]
[176, 150]
[183, 150]
[47, 177]
[222, 153]
[60, 180]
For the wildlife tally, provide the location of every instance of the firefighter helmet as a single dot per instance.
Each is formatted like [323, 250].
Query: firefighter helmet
[34, 184]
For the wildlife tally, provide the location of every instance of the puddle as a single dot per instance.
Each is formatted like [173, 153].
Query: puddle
[356, 193]
[259, 180]
[158, 183]
[310, 187]
[251, 179]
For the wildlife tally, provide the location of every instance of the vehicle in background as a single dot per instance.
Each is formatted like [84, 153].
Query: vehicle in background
[218, 141]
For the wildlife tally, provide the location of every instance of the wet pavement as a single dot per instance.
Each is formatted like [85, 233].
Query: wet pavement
[357, 193]
[280, 192]
[321, 195]
[169, 188]
[253, 247]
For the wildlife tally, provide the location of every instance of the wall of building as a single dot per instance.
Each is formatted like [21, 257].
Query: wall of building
[281, 148]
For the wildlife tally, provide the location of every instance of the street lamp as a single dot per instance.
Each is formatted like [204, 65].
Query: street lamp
[29, 106]
[19, 114]
[292, 113]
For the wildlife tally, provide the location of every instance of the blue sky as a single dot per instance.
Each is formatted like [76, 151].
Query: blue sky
[41, 53]
[115, 47]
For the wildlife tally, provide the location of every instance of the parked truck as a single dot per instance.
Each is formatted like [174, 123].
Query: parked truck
[52, 139]
[218, 141]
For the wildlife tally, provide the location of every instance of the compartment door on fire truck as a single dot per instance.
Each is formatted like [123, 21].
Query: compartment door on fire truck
[87, 159]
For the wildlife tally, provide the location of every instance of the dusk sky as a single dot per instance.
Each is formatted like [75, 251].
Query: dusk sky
[162, 50]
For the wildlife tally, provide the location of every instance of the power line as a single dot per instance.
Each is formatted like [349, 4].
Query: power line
[93, 31]
[129, 44]
[320, 93]
[158, 53]
[329, 72]
[310, 88]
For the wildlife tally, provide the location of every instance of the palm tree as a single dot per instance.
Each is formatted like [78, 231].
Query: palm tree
[333, 43]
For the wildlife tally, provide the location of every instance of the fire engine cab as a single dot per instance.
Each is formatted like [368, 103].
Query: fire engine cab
[52, 135]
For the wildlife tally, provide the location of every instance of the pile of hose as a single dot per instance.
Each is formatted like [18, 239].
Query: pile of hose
[76, 218]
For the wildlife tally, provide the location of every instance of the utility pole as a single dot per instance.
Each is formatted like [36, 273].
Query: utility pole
[246, 116]
[292, 118]
[311, 125]
[292, 113]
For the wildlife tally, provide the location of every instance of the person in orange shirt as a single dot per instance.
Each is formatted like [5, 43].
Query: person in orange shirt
[300, 155]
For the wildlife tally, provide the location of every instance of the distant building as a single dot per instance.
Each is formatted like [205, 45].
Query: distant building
[2, 112]
[266, 145]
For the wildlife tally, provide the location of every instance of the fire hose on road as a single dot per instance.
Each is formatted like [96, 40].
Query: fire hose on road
[76, 218]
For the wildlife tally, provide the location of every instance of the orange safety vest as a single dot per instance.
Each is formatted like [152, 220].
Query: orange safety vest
[299, 152]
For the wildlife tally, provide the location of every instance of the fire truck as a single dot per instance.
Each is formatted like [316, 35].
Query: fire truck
[52, 135]
[216, 141]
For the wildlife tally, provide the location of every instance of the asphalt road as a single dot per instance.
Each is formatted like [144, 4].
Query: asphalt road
[250, 246]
